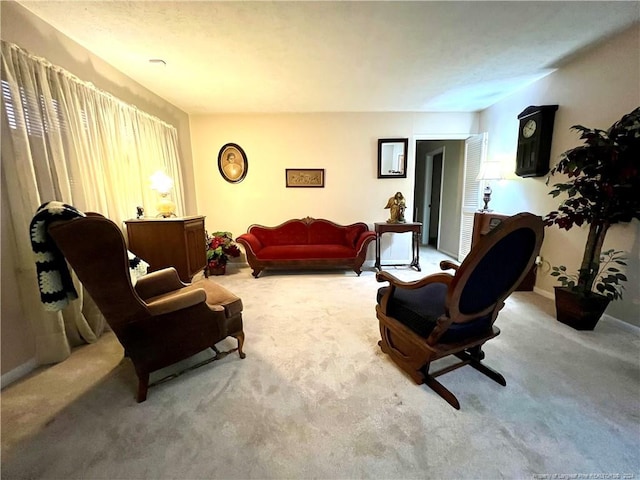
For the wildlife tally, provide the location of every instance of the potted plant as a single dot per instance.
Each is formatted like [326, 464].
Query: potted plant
[220, 246]
[603, 189]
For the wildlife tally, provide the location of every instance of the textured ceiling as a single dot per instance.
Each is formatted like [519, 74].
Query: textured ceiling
[240, 56]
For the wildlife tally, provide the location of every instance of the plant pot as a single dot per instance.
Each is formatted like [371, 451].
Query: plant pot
[217, 269]
[577, 310]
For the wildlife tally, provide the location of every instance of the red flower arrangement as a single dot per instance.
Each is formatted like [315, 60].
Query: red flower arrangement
[220, 246]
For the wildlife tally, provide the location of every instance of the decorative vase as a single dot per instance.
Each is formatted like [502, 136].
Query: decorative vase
[579, 311]
[217, 269]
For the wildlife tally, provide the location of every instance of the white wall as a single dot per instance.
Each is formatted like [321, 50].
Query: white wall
[594, 89]
[344, 144]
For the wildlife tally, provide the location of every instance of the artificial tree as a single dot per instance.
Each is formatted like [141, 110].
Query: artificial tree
[603, 189]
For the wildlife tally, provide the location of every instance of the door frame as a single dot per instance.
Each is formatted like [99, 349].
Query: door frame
[437, 136]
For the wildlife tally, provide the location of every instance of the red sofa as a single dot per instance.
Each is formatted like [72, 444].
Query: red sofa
[306, 243]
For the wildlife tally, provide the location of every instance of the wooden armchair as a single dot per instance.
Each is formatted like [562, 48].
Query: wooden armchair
[443, 314]
[161, 320]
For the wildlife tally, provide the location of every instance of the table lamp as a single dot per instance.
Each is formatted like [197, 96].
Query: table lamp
[489, 171]
[162, 184]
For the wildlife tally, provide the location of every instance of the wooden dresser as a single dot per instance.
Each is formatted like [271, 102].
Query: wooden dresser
[169, 242]
[483, 222]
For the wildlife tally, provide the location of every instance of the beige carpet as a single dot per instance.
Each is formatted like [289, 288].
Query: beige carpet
[316, 398]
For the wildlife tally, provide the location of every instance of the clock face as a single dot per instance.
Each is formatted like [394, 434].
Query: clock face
[529, 128]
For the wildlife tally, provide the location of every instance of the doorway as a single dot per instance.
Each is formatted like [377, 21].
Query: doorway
[439, 165]
[433, 206]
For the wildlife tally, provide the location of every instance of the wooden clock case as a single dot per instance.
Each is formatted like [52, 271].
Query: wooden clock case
[533, 155]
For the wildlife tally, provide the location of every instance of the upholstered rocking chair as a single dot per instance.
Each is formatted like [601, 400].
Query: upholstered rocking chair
[160, 320]
[442, 314]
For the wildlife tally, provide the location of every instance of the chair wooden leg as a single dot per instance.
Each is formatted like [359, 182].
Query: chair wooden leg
[240, 338]
[489, 372]
[440, 389]
[474, 358]
[476, 352]
[143, 387]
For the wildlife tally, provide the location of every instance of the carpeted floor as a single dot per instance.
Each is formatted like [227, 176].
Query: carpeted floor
[316, 398]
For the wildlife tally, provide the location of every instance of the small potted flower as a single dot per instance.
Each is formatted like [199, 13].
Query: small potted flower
[220, 246]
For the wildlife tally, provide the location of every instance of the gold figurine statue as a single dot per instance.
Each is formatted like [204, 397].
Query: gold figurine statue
[397, 205]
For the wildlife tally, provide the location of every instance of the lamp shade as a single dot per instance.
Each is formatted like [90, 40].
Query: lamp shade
[161, 182]
[490, 171]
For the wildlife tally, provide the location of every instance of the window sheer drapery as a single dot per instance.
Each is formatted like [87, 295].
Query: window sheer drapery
[63, 139]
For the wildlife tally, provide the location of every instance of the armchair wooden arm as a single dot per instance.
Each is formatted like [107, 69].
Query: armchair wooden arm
[384, 276]
[448, 265]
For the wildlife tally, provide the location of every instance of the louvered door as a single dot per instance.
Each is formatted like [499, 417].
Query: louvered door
[474, 153]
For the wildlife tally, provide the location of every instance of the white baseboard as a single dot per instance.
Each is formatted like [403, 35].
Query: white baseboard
[544, 293]
[450, 254]
[17, 373]
[629, 327]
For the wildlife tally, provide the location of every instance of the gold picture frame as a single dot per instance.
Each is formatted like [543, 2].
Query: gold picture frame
[304, 177]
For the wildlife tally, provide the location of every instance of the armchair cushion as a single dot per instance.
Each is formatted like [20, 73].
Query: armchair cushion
[419, 309]
[218, 295]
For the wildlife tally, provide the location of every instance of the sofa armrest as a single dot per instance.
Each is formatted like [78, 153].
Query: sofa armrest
[250, 241]
[158, 283]
[364, 240]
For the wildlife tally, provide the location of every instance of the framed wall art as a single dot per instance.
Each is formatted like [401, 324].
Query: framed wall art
[305, 177]
[392, 157]
[232, 163]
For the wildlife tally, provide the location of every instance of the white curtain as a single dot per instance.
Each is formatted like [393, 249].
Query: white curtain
[63, 139]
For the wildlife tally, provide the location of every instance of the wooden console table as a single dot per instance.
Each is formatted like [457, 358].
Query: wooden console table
[415, 228]
[169, 242]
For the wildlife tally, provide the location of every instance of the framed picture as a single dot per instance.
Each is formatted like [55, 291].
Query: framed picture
[392, 157]
[304, 177]
[232, 163]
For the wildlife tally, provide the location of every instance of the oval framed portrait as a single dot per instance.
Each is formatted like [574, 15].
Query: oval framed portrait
[232, 163]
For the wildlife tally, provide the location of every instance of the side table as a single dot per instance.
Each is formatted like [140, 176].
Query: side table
[414, 227]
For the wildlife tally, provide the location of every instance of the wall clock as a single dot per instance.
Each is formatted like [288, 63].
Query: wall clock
[534, 140]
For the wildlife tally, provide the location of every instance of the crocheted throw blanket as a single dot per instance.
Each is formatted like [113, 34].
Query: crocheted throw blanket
[54, 280]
